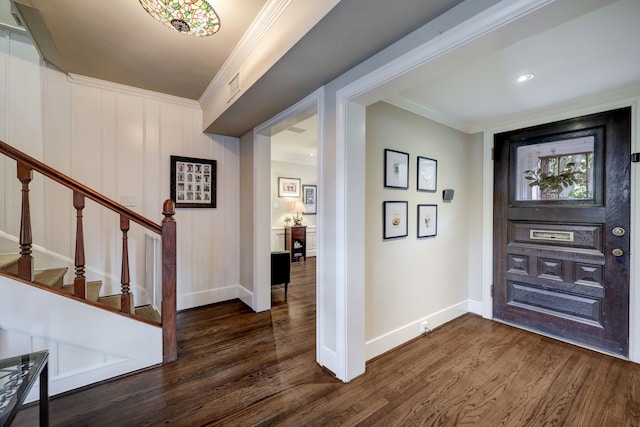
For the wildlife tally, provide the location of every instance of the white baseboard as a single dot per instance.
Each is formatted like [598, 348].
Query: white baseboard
[210, 296]
[381, 344]
[476, 307]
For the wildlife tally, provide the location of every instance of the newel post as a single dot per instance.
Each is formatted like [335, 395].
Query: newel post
[80, 281]
[125, 294]
[25, 263]
[169, 307]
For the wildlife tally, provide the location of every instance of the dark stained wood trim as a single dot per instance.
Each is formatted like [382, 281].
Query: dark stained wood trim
[25, 167]
[25, 263]
[74, 185]
[80, 281]
[169, 274]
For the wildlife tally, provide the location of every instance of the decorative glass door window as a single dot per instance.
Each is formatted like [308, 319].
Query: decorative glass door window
[560, 170]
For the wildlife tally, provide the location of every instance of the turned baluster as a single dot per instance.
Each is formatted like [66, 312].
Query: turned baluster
[25, 263]
[125, 294]
[169, 338]
[80, 281]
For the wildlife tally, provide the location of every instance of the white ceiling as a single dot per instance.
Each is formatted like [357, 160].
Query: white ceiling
[591, 54]
[297, 143]
[117, 41]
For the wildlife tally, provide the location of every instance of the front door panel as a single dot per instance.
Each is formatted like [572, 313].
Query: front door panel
[562, 205]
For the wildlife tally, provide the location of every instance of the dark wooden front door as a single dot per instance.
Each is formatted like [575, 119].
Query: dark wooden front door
[561, 229]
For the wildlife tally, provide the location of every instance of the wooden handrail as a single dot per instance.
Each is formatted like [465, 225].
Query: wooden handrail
[74, 185]
[25, 167]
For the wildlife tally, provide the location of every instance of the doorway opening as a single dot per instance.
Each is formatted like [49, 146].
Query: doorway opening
[294, 192]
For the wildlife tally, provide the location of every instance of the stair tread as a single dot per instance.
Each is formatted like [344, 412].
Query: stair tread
[6, 259]
[114, 301]
[50, 276]
[93, 290]
[148, 312]
[9, 262]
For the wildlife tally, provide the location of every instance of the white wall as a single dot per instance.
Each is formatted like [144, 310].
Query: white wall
[341, 293]
[474, 221]
[409, 280]
[81, 352]
[118, 141]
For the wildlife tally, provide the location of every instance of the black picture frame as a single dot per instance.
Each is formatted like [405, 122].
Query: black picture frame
[427, 176]
[394, 222]
[193, 182]
[310, 199]
[396, 169]
[427, 221]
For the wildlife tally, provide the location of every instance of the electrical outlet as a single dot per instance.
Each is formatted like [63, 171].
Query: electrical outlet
[424, 328]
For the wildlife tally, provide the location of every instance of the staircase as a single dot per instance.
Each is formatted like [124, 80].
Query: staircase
[21, 265]
[53, 278]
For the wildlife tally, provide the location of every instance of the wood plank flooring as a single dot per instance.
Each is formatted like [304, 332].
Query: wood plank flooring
[239, 368]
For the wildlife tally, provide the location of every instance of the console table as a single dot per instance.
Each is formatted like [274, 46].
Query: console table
[295, 241]
[17, 376]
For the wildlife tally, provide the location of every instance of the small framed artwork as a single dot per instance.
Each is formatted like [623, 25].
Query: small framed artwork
[309, 198]
[395, 220]
[427, 220]
[427, 174]
[288, 187]
[193, 182]
[396, 169]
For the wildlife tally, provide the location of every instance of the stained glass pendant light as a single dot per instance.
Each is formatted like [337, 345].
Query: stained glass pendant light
[195, 17]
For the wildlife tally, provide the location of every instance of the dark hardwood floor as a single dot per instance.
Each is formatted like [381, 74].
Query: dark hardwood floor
[239, 368]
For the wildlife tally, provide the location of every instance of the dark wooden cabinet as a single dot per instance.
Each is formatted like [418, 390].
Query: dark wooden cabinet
[295, 241]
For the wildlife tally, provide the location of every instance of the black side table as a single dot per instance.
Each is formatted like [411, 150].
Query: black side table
[17, 376]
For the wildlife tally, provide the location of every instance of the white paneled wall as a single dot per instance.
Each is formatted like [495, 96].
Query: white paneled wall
[118, 141]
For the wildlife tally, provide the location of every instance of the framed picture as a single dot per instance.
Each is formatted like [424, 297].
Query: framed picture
[427, 174]
[288, 187]
[427, 220]
[395, 220]
[193, 182]
[396, 169]
[309, 198]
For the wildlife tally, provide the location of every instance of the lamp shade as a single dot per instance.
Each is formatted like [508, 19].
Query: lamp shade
[298, 207]
[194, 17]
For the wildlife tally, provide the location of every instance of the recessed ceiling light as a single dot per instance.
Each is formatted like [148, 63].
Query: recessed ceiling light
[524, 77]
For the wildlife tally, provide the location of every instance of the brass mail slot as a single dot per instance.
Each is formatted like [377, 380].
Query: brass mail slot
[553, 236]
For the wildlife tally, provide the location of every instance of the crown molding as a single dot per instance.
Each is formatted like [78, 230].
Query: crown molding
[12, 28]
[256, 32]
[421, 110]
[130, 90]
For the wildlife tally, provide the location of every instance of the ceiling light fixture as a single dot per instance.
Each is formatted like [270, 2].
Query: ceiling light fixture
[194, 17]
[524, 77]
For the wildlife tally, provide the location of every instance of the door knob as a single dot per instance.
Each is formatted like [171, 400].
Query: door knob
[617, 252]
[618, 231]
